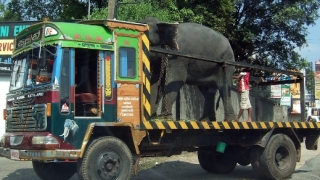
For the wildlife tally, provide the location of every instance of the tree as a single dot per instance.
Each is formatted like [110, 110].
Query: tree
[112, 5]
[131, 10]
[267, 32]
[310, 78]
[18, 10]
[13, 11]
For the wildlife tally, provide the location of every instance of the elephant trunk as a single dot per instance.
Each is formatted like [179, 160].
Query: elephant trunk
[65, 133]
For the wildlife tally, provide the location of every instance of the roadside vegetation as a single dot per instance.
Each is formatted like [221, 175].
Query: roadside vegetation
[266, 33]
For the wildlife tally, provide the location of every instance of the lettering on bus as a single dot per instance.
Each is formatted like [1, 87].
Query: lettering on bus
[28, 39]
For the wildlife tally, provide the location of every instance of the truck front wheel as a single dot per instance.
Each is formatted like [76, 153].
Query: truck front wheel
[106, 158]
[215, 162]
[53, 171]
[279, 159]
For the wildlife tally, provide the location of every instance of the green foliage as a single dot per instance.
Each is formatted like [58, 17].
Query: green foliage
[260, 32]
[13, 11]
[18, 10]
[129, 10]
[267, 32]
[310, 75]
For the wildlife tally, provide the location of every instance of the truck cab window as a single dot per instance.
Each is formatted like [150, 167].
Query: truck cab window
[127, 62]
[40, 65]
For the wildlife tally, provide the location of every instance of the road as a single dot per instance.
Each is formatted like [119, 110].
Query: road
[183, 169]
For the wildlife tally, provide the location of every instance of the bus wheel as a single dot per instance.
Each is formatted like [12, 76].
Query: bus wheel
[53, 171]
[255, 154]
[279, 159]
[214, 162]
[106, 158]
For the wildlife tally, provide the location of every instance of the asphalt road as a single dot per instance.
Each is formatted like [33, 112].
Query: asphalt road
[309, 169]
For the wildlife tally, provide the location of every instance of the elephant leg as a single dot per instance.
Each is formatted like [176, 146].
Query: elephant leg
[175, 79]
[225, 93]
[209, 105]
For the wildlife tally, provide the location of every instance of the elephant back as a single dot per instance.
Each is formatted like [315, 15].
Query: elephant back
[197, 39]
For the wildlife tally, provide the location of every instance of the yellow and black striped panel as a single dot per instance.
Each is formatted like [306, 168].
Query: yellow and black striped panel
[172, 125]
[146, 76]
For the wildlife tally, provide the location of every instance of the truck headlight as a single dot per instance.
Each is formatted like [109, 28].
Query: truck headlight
[45, 142]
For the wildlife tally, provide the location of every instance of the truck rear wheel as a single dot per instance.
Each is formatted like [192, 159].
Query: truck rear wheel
[278, 159]
[106, 158]
[214, 162]
[53, 171]
[243, 157]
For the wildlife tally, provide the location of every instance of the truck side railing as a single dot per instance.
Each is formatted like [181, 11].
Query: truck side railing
[299, 76]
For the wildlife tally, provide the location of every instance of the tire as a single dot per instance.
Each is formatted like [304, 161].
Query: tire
[106, 158]
[255, 155]
[279, 159]
[243, 157]
[218, 163]
[53, 171]
[79, 167]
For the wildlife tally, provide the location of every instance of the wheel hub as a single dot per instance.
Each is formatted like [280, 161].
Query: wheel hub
[282, 159]
[107, 165]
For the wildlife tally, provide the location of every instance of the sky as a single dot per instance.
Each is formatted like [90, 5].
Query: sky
[312, 51]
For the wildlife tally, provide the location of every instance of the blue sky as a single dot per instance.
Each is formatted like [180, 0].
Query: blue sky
[312, 51]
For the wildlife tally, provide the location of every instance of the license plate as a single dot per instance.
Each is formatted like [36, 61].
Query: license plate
[14, 154]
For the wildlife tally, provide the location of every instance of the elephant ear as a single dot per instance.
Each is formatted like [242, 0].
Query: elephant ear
[168, 34]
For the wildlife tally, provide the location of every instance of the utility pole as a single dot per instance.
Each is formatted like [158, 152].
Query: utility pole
[111, 9]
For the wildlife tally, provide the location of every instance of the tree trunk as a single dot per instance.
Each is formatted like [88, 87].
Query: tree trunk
[111, 9]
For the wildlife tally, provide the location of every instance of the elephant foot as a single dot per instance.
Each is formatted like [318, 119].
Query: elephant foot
[165, 116]
[232, 120]
[207, 120]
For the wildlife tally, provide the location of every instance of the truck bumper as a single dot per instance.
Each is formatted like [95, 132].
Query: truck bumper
[44, 155]
[19, 146]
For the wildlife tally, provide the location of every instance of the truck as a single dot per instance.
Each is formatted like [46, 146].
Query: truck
[80, 102]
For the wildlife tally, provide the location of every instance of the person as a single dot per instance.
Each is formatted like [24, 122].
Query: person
[310, 119]
[243, 89]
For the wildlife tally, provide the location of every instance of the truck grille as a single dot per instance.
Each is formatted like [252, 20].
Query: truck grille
[27, 118]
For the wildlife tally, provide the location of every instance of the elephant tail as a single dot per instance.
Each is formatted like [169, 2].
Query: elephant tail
[218, 102]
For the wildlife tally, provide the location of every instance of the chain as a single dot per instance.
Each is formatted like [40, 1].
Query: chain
[163, 74]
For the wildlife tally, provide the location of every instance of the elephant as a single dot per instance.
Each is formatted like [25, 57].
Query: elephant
[70, 130]
[210, 77]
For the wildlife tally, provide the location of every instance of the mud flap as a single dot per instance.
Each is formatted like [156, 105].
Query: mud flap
[136, 160]
[312, 142]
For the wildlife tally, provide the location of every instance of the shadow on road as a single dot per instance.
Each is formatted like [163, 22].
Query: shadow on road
[179, 170]
[21, 174]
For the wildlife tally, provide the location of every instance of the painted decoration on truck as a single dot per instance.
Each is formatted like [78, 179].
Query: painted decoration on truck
[70, 130]
[128, 103]
[108, 87]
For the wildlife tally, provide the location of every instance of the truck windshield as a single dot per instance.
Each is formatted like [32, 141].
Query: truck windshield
[18, 73]
[33, 68]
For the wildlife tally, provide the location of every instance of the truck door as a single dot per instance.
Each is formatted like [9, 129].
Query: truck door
[65, 106]
[128, 85]
[87, 83]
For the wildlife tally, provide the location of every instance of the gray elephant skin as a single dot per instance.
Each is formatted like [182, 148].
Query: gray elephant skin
[190, 38]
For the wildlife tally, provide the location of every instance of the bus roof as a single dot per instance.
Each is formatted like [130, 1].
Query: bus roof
[63, 32]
